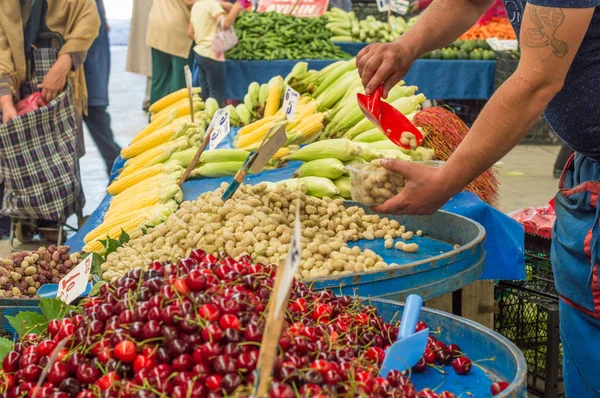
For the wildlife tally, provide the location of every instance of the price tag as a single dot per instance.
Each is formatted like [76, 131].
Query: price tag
[495, 44]
[400, 6]
[383, 5]
[290, 102]
[291, 266]
[221, 127]
[510, 45]
[75, 282]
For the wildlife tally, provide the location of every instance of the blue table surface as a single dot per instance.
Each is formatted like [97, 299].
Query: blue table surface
[504, 244]
[437, 79]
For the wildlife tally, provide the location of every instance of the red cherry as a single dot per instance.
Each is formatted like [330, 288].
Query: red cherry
[497, 387]
[181, 286]
[213, 383]
[322, 312]
[420, 326]
[376, 355]
[229, 321]
[58, 372]
[10, 363]
[210, 312]
[300, 305]
[462, 365]
[125, 351]
[106, 381]
[45, 348]
[427, 393]
[446, 394]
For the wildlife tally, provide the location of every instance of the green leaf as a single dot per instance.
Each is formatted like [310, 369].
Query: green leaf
[27, 322]
[124, 237]
[6, 346]
[97, 261]
[96, 289]
[54, 308]
[111, 246]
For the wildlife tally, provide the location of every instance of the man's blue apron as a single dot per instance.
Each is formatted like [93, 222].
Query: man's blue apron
[575, 255]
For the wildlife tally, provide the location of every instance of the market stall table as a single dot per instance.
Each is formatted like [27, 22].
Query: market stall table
[437, 79]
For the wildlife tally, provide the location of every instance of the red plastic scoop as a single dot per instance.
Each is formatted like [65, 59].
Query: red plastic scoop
[390, 120]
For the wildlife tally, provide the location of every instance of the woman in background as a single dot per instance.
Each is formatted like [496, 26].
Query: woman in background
[139, 55]
[171, 46]
[206, 17]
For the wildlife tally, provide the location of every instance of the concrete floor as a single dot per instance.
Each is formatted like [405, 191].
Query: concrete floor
[526, 172]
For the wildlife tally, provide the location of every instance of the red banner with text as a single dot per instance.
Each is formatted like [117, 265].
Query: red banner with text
[298, 8]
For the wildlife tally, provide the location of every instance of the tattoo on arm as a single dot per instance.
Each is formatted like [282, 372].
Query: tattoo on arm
[546, 20]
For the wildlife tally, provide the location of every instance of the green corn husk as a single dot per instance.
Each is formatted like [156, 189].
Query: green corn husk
[407, 105]
[248, 104]
[341, 149]
[320, 187]
[214, 170]
[243, 113]
[234, 119]
[359, 128]
[389, 145]
[328, 98]
[294, 184]
[355, 161]
[329, 168]
[253, 95]
[334, 75]
[343, 184]
[366, 152]
[263, 94]
[297, 71]
[224, 155]
[372, 135]
[184, 157]
[210, 107]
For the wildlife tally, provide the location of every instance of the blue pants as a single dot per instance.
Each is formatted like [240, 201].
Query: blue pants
[575, 258]
[211, 75]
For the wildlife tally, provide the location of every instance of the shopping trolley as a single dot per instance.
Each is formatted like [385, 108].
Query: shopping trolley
[39, 163]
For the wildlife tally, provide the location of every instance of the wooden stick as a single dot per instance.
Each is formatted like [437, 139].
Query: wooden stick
[194, 162]
[188, 81]
[294, 6]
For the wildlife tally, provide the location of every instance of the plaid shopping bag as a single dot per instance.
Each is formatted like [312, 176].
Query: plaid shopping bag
[38, 155]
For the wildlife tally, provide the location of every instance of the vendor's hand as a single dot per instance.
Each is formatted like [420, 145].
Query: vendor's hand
[383, 63]
[56, 78]
[9, 111]
[424, 192]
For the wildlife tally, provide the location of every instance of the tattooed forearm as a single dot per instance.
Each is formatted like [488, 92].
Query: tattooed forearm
[546, 20]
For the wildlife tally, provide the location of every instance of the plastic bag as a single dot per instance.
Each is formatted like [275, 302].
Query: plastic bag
[536, 220]
[30, 104]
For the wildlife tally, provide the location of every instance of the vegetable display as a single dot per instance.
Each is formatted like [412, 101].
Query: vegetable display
[194, 328]
[23, 273]
[499, 28]
[272, 36]
[345, 27]
[475, 50]
[258, 220]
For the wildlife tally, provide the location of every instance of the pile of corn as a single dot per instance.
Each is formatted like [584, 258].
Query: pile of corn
[259, 220]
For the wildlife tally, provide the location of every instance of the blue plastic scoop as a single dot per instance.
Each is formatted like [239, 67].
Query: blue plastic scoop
[50, 290]
[410, 346]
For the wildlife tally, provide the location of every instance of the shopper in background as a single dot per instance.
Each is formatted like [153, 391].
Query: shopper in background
[97, 72]
[558, 74]
[207, 16]
[171, 46]
[139, 55]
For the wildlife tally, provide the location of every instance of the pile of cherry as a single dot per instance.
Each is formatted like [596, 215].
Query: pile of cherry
[194, 329]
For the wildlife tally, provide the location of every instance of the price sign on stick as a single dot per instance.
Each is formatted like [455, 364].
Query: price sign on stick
[383, 5]
[399, 6]
[75, 282]
[290, 102]
[188, 81]
[276, 312]
[221, 127]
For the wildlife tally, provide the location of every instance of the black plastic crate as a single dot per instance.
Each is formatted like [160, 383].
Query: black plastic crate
[466, 110]
[528, 316]
[506, 65]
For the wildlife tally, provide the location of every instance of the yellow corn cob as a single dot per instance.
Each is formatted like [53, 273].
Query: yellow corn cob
[310, 126]
[175, 123]
[142, 187]
[301, 114]
[253, 126]
[132, 204]
[256, 136]
[94, 247]
[157, 138]
[274, 97]
[115, 230]
[118, 221]
[178, 105]
[170, 99]
[305, 99]
[158, 154]
[120, 184]
[152, 197]
[281, 152]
